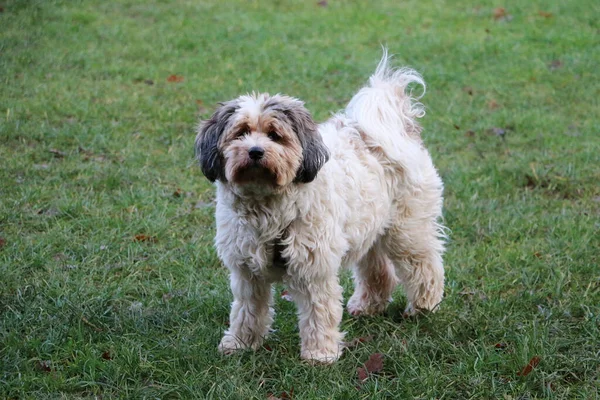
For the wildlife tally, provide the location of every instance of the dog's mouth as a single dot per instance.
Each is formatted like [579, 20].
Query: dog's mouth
[255, 172]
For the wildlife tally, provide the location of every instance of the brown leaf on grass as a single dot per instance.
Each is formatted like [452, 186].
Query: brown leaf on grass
[106, 355]
[287, 395]
[457, 127]
[529, 367]
[2, 242]
[499, 12]
[44, 365]
[286, 296]
[501, 346]
[58, 153]
[145, 238]
[492, 104]
[177, 193]
[555, 64]
[545, 14]
[373, 365]
[175, 78]
[538, 254]
[362, 374]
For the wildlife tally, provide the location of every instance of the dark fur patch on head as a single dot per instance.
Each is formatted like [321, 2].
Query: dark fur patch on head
[207, 142]
[314, 152]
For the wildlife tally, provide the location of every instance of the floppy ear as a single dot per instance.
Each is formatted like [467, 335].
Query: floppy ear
[208, 154]
[314, 152]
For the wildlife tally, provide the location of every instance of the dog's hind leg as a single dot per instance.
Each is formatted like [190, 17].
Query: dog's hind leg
[415, 248]
[374, 281]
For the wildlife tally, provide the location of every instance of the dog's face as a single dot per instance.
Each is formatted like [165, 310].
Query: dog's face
[261, 140]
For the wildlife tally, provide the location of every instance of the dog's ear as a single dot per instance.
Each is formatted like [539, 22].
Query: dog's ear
[314, 152]
[208, 154]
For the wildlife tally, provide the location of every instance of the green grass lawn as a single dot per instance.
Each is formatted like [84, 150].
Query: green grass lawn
[96, 150]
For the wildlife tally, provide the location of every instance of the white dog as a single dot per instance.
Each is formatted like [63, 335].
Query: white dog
[296, 201]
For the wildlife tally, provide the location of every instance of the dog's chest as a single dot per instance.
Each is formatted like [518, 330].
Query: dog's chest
[248, 238]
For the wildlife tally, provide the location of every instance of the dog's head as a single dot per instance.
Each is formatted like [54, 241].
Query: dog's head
[261, 140]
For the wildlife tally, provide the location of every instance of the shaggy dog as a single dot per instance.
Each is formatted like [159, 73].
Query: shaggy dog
[296, 201]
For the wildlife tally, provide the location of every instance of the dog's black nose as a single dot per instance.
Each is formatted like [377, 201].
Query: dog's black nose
[256, 152]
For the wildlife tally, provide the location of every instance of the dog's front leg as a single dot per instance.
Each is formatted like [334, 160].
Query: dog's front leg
[319, 302]
[251, 312]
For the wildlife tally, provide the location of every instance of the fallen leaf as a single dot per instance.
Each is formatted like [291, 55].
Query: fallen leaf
[529, 367]
[545, 14]
[499, 12]
[362, 374]
[177, 193]
[2, 242]
[501, 346]
[555, 64]
[145, 238]
[537, 254]
[106, 355]
[175, 78]
[57, 153]
[267, 347]
[457, 127]
[373, 365]
[44, 365]
[286, 296]
[492, 104]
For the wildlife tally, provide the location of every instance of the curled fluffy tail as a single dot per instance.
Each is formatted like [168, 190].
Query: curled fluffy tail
[386, 112]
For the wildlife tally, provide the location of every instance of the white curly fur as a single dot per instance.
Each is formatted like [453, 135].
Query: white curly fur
[374, 206]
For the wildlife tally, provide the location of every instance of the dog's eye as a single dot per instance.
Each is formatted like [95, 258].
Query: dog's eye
[242, 133]
[274, 136]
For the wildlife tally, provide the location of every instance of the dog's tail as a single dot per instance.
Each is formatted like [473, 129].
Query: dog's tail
[386, 112]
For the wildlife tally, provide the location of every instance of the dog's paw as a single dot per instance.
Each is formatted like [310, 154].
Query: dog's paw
[321, 356]
[230, 344]
[359, 305]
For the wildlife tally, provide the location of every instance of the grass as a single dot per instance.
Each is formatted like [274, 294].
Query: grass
[96, 147]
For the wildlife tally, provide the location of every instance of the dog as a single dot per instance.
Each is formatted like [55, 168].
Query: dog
[296, 201]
